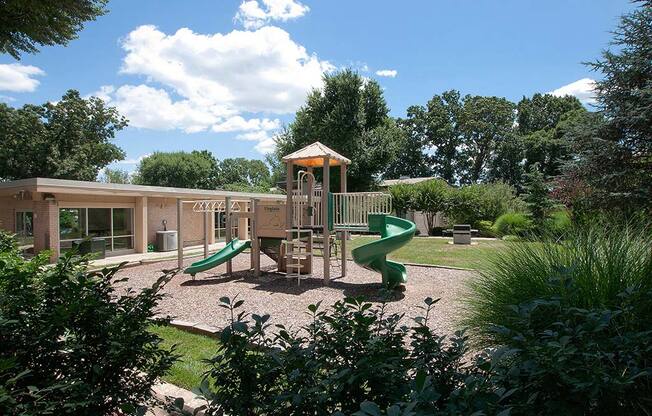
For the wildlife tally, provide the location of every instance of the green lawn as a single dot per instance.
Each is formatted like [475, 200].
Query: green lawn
[437, 251]
[187, 372]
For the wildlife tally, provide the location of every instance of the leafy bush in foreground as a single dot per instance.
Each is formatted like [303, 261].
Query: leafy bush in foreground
[8, 242]
[70, 344]
[351, 359]
[357, 359]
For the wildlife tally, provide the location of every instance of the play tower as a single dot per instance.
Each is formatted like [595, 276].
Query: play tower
[313, 221]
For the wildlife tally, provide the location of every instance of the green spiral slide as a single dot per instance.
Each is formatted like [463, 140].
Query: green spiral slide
[394, 234]
[232, 249]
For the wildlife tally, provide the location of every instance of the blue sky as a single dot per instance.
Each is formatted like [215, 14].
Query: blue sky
[225, 75]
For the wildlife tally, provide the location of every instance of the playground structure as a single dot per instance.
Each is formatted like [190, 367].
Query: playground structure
[310, 219]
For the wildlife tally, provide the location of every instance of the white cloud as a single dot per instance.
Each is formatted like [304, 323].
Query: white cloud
[237, 123]
[197, 82]
[583, 89]
[255, 14]
[260, 71]
[19, 78]
[391, 73]
[133, 161]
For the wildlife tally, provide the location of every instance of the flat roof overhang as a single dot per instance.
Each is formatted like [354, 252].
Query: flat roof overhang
[53, 186]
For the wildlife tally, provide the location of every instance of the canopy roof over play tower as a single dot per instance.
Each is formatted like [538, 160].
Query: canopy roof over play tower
[313, 156]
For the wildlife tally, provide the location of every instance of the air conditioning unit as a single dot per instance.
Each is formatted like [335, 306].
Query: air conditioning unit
[166, 240]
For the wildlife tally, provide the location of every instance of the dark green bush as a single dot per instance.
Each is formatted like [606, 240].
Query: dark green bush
[471, 204]
[512, 223]
[352, 359]
[70, 343]
[8, 242]
[558, 223]
[576, 361]
[485, 229]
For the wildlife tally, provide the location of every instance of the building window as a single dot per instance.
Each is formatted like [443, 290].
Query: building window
[220, 227]
[114, 225]
[24, 230]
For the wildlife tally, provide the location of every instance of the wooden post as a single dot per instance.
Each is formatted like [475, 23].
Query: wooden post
[343, 233]
[289, 216]
[206, 223]
[179, 233]
[228, 231]
[255, 243]
[311, 191]
[324, 207]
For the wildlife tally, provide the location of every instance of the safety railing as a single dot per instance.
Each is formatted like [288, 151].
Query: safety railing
[351, 209]
[300, 203]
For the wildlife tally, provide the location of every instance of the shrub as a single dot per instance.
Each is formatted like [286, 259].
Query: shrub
[430, 198]
[512, 223]
[352, 359]
[70, 343]
[485, 228]
[403, 198]
[563, 360]
[8, 242]
[357, 359]
[600, 262]
[471, 204]
[558, 223]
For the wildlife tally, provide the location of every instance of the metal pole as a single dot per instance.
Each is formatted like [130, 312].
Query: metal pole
[206, 222]
[227, 213]
[179, 233]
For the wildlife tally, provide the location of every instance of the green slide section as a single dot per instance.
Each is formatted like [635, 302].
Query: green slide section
[232, 249]
[394, 234]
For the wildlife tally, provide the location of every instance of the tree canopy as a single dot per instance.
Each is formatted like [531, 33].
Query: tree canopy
[201, 170]
[614, 149]
[25, 25]
[114, 176]
[69, 139]
[350, 115]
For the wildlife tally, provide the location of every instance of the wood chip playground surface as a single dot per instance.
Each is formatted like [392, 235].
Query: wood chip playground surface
[197, 300]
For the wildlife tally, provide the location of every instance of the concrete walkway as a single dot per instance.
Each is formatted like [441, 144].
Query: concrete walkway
[137, 259]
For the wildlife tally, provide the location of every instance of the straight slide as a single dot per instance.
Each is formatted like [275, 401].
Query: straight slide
[232, 249]
[394, 233]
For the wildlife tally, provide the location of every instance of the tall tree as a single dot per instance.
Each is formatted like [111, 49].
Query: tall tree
[411, 161]
[69, 139]
[26, 24]
[435, 126]
[622, 146]
[243, 172]
[543, 141]
[543, 111]
[178, 169]
[350, 115]
[485, 122]
[114, 176]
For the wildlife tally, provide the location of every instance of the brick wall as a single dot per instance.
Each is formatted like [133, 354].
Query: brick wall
[159, 209]
[46, 227]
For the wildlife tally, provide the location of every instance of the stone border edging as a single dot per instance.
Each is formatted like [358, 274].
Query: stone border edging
[196, 328]
[166, 392]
